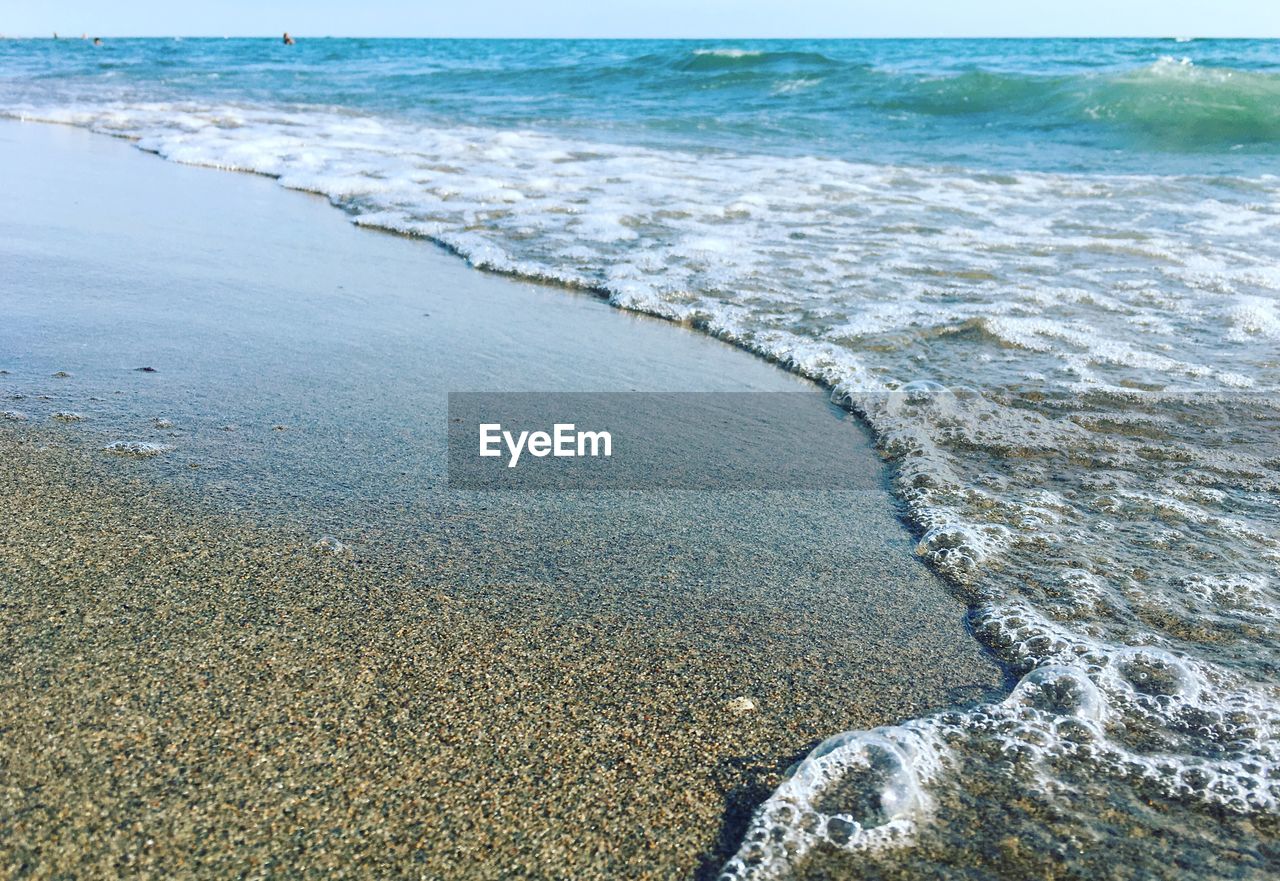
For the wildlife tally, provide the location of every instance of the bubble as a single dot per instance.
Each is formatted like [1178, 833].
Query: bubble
[1157, 673]
[137, 449]
[922, 390]
[863, 777]
[328, 544]
[1059, 691]
[857, 789]
[960, 549]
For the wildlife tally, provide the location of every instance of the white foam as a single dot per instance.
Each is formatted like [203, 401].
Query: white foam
[136, 448]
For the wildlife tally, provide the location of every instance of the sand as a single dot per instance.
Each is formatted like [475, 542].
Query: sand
[478, 687]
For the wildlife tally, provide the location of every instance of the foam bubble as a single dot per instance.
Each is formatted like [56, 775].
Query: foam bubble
[856, 790]
[328, 544]
[1060, 691]
[136, 448]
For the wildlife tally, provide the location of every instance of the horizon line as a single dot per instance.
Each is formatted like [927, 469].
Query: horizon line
[276, 36]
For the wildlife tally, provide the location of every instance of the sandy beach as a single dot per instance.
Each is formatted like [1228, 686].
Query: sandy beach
[480, 687]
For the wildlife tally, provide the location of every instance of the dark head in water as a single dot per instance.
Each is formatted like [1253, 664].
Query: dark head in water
[97, 41]
[287, 40]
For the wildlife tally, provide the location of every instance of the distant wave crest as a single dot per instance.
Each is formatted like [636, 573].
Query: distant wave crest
[716, 60]
[1170, 104]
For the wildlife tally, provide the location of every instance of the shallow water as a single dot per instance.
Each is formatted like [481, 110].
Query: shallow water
[1045, 273]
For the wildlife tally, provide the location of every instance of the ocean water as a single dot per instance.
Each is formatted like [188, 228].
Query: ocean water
[1046, 273]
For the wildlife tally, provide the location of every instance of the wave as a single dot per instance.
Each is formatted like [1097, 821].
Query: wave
[720, 60]
[1170, 104]
[1073, 375]
[1178, 103]
[840, 99]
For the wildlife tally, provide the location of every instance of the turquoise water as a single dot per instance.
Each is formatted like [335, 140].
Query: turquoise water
[1028, 104]
[1046, 273]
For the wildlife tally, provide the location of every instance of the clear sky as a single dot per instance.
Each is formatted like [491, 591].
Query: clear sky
[645, 18]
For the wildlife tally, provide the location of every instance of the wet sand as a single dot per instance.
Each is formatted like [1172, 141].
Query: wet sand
[482, 688]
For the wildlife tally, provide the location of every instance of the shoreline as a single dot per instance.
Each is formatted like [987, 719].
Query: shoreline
[579, 677]
[700, 326]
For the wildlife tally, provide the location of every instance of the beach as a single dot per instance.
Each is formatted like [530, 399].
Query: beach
[475, 687]
[939, 536]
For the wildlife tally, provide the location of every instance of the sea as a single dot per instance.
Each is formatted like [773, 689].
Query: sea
[1046, 273]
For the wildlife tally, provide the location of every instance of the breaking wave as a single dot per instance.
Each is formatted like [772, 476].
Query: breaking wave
[1171, 104]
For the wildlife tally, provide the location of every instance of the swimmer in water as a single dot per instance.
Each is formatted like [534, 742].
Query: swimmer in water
[97, 41]
[288, 40]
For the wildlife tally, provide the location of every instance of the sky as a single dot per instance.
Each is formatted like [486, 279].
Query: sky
[645, 18]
